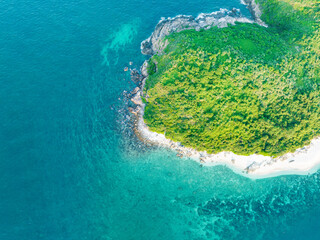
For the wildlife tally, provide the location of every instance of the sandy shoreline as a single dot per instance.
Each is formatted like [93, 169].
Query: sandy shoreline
[305, 160]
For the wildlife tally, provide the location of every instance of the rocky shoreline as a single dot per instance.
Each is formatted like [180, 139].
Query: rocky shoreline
[302, 161]
[155, 44]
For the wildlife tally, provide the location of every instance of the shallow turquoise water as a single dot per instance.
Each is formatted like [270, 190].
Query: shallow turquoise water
[70, 167]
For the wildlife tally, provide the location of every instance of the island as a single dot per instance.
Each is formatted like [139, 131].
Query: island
[226, 89]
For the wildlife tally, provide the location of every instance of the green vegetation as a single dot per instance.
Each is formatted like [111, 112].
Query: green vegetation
[245, 88]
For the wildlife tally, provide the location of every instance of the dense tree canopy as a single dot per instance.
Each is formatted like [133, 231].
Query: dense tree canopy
[245, 88]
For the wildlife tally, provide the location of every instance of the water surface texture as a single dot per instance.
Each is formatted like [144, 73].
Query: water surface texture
[70, 167]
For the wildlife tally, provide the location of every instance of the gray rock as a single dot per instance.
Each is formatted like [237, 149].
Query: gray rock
[144, 67]
[255, 11]
[134, 91]
[137, 99]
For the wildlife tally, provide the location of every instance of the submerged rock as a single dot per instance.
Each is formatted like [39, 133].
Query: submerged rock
[135, 76]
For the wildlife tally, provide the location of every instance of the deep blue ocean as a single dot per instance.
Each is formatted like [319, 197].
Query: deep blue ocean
[70, 166]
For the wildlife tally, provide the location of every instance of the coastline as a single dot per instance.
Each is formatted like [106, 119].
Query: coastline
[305, 160]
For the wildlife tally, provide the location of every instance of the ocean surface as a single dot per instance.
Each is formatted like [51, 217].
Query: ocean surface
[70, 166]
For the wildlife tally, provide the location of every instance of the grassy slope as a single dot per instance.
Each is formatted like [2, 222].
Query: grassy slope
[245, 88]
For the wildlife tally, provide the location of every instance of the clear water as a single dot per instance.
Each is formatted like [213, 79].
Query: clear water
[70, 167]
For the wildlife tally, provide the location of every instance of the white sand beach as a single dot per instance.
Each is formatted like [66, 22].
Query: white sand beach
[305, 160]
